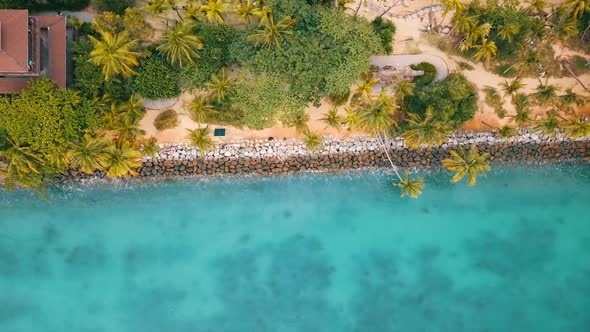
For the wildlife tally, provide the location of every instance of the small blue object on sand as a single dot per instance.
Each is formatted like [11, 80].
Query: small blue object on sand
[219, 132]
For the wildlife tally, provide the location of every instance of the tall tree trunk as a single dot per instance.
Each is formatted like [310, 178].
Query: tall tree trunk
[567, 67]
[387, 10]
[335, 4]
[358, 8]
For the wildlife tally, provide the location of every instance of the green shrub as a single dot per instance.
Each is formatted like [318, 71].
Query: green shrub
[44, 5]
[453, 100]
[385, 30]
[506, 70]
[166, 120]
[429, 73]
[580, 65]
[155, 79]
[115, 6]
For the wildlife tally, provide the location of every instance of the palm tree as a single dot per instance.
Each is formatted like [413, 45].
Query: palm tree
[378, 116]
[513, 87]
[571, 98]
[133, 107]
[578, 7]
[219, 85]
[201, 139]
[507, 131]
[300, 122]
[470, 163]
[465, 24]
[537, 6]
[22, 160]
[115, 53]
[120, 159]
[546, 93]
[410, 187]
[128, 129]
[264, 12]
[246, 11]
[480, 32]
[112, 116]
[198, 109]
[425, 131]
[548, 125]
[456, 5]
[179, 45]
[575, 127]
[485, 51]
[353, 119]
[508, 31]
[214, 10]
[522, 116]
[332, 119]
[88, 154]
[364, 91]
[402, 89]
[150, 147]
[313, 141]
[269, 33]
[158, 7]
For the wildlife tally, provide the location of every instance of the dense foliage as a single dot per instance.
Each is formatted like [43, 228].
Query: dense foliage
[155, 79]
[429, 73]
[453, 100]
[325, 56]
[115, 6]
[37, 5]
[264, 99]
[385, 30]
[217, 55]
[88, 79]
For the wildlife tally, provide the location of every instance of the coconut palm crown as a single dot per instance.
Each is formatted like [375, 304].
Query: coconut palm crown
[115, 53]
[179, 44]
[467, 163]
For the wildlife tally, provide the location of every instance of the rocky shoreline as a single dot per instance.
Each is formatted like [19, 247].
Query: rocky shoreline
[285, 157]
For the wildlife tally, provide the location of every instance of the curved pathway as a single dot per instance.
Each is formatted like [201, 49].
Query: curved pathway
[402, 60]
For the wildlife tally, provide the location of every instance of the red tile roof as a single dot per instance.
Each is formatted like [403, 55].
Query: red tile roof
[57, 47]
[14, 39]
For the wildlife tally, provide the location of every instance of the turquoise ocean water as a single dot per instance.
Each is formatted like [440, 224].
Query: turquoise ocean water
[310, 253]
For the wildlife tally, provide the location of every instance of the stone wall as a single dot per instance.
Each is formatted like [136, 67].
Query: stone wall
[291, 156]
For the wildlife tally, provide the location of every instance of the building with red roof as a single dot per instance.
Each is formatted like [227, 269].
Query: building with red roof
[31, 47]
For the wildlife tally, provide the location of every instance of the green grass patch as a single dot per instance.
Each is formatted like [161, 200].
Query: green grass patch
[166, 120]
[465, 66]
[429, 73]
[580, 65]
[506, 70]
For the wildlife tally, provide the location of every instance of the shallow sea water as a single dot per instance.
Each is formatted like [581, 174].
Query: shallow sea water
[305, 253]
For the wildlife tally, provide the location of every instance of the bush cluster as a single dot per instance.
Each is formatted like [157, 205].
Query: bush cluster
[155, 79]
[429, 73]
[166, 120]
[385, 30]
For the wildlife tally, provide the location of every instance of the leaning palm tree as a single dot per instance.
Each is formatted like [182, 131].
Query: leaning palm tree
[470, 163]
[485, 51]
[522, 116]
[270, 33]
[246, 11]
[201, 139]
[410, 187]
[456, 5]
[571, 98]
[353, 119]
[88, 154]
[112, 116]
[214, 10]
[549, 125]
[219, 85]
[115, 53]
[120, 159]
[313, 141]
[332, 119]
[179, 44]
[158, 7]
[575, 127]
[425, 130]
[378, 116]
[513, 87]
[198, 109]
